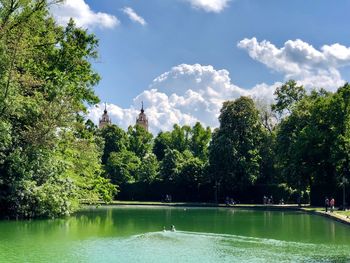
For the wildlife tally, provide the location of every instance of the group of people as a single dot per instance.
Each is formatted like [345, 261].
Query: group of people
[267, 200]
[168, 198]
[329, 204]
[229, 201]
[172, 228]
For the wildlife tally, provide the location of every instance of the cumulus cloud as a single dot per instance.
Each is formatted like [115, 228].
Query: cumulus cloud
[189, 93]
[121, 117]
[82, 15]
[215, 6]
[184, 95]
[301, 61]
[133, 16]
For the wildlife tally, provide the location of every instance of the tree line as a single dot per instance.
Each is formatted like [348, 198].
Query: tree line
[52, 160]
[295, 149]
[176, 159]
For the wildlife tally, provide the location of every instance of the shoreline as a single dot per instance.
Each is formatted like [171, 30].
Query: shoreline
[289, 207]
[333, 216]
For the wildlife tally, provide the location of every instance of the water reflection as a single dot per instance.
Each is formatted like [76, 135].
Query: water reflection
[88, 233]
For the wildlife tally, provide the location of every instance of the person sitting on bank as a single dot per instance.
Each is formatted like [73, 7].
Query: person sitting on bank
[227, 201]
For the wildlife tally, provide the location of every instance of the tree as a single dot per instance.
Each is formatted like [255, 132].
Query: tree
[161, 143]
[292, 147]
[180, 137]
[115, 140]
[191, 172]
[268, 173]
[46, 82]
[82, 160]
[304, 141]
[149, 169]
[140, 140]
[122, 167]
[267, 116]
[199, 142]
[287, 96]
[340, 149]
[170, 165]
[195, 139]
[235, 149]
[339, 115]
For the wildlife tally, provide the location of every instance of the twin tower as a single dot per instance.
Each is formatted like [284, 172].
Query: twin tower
[141, 120]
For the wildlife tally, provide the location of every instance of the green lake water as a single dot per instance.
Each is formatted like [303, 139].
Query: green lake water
[135, 234]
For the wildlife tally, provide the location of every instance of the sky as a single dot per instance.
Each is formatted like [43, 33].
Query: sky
[183, 58]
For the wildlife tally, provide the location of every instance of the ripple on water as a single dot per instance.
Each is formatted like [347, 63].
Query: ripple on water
[205, 247]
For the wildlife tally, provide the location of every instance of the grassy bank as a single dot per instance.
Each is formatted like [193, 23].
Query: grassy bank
[338, 215]
[206, 204]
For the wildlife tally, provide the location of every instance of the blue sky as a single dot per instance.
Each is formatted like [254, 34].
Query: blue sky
[209, 51]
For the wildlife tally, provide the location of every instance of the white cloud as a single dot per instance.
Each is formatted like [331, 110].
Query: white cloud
[215, 6]
[183, 95]
[82, 15]
[121, 117]
[133, 16]
[301, 61]
[189, 93]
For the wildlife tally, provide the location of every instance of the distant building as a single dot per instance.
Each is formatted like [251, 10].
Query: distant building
[105, 119]
[142, 119]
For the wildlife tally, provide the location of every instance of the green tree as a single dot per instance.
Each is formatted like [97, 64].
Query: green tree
[149, 168]
[161, 143]
[303, 143]
[339, 115]
[46, 82]
[170, 165]
[195, 139]
[180, 137]
[115, 140]
[140, 140]
[292, 147]
[199, 143]
[122, 167]
[287, 96]
[191, 171]
[235, 149]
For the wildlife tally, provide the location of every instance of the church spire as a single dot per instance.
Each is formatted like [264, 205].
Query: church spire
[142, 119]
[105, 119]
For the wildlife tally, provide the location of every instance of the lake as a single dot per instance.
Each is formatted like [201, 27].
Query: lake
[135, 234]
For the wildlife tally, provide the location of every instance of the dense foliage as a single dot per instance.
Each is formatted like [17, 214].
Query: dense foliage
[49, 160]
[52, 159]
[235, 157]
[177, 159]
[295, 149]
[313, 143]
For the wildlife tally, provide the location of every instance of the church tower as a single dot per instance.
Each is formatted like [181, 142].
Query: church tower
[142, 119]
[105, 119]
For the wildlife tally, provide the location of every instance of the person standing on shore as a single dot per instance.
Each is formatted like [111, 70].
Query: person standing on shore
[326, 204]
[332, 203]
